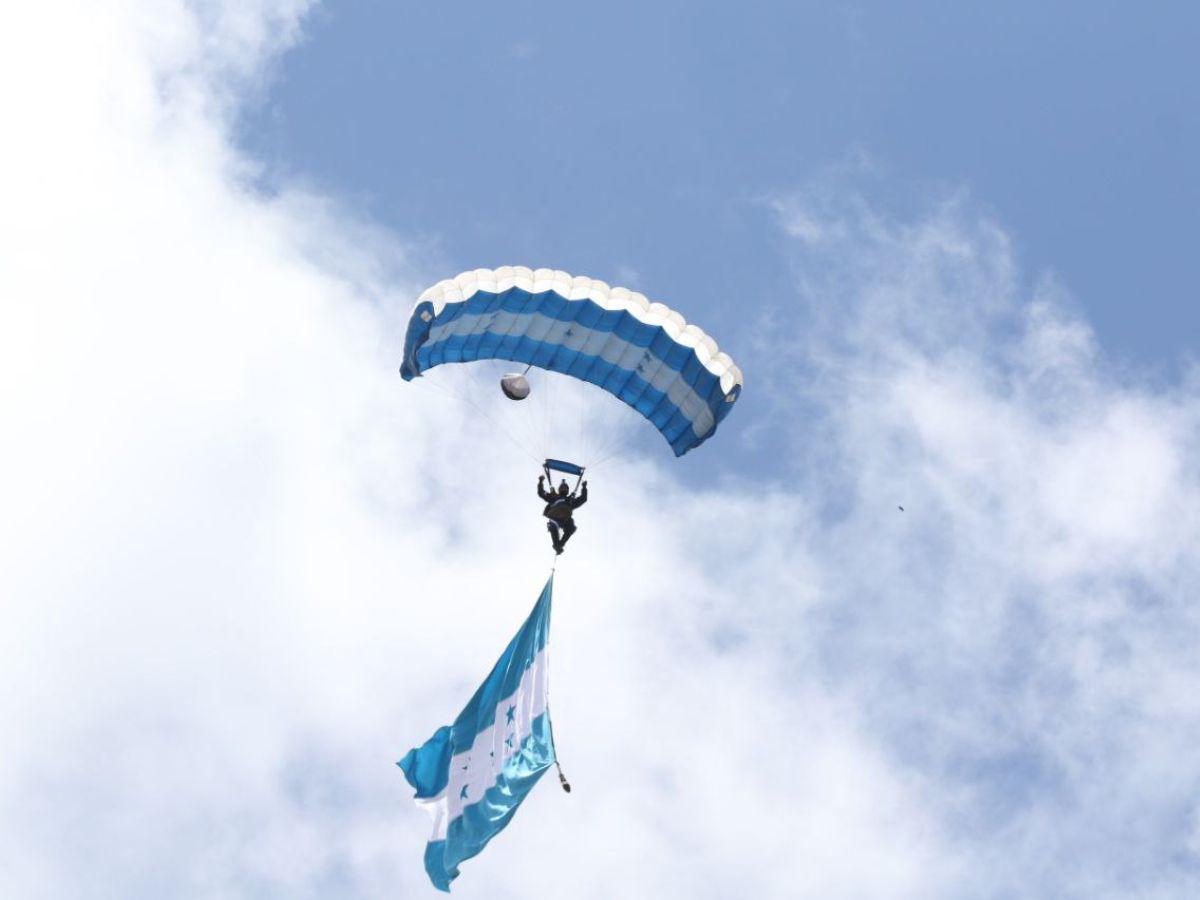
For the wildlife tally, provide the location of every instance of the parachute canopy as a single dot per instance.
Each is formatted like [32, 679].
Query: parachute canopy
[643, 353]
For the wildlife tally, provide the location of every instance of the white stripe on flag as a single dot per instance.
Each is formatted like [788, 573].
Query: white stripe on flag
[476, 769]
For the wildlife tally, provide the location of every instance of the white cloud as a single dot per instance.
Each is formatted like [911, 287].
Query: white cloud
[1029, 612]
[628, 276]
[245, 567]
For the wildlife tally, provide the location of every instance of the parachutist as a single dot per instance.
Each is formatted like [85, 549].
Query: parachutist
[560, 507]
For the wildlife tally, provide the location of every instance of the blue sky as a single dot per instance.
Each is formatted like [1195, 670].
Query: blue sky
[604, 138]
[246, 567]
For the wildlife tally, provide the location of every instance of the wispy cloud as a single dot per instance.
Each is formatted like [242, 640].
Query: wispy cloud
[628, 276]
[1019, 635]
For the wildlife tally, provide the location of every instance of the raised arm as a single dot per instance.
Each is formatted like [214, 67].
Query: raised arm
[581, 499]
[542, 489]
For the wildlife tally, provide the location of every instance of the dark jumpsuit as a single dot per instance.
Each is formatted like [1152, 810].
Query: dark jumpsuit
[558, 510]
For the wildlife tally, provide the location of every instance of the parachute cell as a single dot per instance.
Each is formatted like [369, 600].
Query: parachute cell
[643, 353]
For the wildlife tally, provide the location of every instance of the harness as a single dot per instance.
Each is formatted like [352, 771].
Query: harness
[559, 510]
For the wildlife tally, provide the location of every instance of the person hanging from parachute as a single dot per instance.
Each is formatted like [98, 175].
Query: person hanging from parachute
[556, 325]
[560, 509]
[568, 329]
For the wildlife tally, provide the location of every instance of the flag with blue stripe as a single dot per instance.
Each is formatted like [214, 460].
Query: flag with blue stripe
[471, 776]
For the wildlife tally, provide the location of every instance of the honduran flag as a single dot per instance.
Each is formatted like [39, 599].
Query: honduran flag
[472, 775]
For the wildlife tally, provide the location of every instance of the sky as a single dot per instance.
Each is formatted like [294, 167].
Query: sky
[639, 139]
[246, 567]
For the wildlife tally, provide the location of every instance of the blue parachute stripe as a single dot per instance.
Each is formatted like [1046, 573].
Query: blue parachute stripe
[464, 349]
[655, 405]
[666, 412]
[420, 323]
[467, 834]
[521, 342]
[623, 383]
[679, 426]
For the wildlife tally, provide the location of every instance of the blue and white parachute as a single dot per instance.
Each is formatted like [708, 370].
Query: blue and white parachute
[641, 352]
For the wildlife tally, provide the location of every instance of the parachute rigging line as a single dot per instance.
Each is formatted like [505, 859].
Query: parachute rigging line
[562, 779]
[516, 443]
